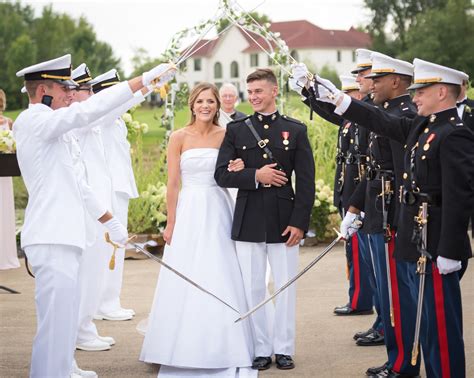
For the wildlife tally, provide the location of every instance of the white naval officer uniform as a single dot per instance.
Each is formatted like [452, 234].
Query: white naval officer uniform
[117, 151]
[95, 273]
[54, 231]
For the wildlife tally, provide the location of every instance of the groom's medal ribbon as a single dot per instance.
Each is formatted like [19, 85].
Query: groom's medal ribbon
[290, 282]
[157, 259]
[285, 135]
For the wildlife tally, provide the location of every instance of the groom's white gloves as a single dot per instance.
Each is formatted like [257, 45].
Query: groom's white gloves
[163, 73]
[117, 231]
[446, 266]
[299, 77]
[350, 224]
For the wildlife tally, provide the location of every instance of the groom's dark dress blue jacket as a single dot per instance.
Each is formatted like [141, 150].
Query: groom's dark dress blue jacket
[262, 214]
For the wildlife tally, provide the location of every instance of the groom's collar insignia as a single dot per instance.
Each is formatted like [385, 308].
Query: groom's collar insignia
[260, 117]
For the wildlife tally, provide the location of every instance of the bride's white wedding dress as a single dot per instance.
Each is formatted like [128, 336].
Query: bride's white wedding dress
[188, 331]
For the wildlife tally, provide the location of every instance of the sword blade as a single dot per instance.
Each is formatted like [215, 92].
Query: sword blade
[159, 260]
[419, 310]
[308, 267]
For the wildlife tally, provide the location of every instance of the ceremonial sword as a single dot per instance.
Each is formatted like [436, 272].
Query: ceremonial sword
[386, 191]
[157, 259]
[422, 221]
[308, 267]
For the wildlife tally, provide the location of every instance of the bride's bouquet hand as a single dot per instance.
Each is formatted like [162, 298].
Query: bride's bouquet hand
[235, 165]
[168, 233]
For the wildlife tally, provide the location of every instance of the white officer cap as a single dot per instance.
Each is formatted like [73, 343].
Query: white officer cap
[105, 80]
[427, 73]
[348, 83]
[81, 75]
[384, 65]
[363, 60]
[58, 70]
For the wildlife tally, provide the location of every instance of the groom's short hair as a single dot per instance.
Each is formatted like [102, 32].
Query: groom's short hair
[263, 74]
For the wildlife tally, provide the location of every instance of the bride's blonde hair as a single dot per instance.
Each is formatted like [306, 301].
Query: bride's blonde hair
[195, 92]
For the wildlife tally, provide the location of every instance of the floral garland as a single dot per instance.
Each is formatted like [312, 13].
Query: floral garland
[278, 49]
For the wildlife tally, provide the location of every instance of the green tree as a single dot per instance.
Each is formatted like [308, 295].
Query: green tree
[395, 17]
[444, 36]
[26, 39]
[22, 52]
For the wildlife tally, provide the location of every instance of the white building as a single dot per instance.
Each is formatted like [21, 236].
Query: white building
[233, 55]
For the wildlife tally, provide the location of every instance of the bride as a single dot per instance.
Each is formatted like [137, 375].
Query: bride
[189, 332]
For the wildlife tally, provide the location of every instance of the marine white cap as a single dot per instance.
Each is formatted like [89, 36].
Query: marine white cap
[363, 60]
[384, 65]
[427, 73]
[105, 80]
[348, 83]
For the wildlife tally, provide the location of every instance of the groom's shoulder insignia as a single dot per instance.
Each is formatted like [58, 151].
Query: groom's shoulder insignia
[293, 120]
[238, 120]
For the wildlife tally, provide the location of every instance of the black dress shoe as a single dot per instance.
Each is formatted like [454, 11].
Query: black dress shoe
[348, 310]
[261, 363]
[358, 335]
[393, 374]
[284, 362]
[372, 339]
[373, 371]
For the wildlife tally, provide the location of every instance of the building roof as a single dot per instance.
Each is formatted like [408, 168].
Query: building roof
[300, 34]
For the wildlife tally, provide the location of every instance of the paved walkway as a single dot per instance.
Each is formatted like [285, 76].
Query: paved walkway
[324, 341]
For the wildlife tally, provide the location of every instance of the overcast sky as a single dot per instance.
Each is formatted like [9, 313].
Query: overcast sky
[127, 25]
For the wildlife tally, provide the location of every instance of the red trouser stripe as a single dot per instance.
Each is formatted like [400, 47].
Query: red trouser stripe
[396, 306]
[441, 322]
[356, 270]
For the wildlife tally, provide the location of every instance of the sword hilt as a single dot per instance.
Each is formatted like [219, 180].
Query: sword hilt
[115, 247]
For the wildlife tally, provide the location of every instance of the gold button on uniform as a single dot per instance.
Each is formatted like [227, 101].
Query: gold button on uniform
[427, 131]
[286, 148]
[266, 141]
[265, 156]
[405, 175]
[423, 157]
[244, 147]
[266, 126]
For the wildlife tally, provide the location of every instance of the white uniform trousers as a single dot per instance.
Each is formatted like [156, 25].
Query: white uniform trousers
[94, 265]
[284, 264]
[57, 297]
[110, 300]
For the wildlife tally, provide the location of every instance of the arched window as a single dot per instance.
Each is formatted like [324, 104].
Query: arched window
[294, 54]
[234, 69]
[217, 70]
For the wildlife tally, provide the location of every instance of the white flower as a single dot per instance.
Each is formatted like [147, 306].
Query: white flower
[127, 117]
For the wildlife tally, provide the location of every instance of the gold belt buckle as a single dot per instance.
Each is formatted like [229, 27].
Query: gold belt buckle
[267, 185]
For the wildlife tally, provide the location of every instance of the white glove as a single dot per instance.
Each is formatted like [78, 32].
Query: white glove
[117, 232]
[327, 91]
[300, 72]
[446, 266]
[163, 71]
[350, 224]
[295, 85]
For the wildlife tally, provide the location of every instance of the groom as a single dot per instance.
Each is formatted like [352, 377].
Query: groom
[270, 218]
